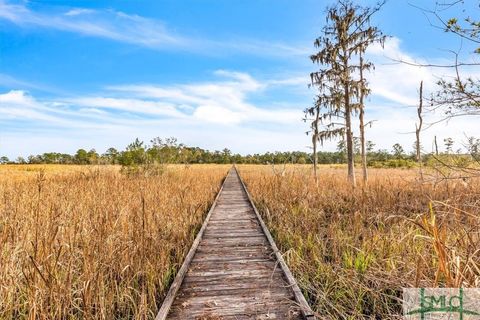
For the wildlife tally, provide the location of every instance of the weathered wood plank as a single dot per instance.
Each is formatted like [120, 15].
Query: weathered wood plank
[232, 284]
[266, 303]
[227, 278]
[235, 242]
[219, 234]
[246, 264]
[232, 257]
[234, 227]
[284, 292]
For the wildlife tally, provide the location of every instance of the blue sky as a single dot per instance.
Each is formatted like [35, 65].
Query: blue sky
[213, 73]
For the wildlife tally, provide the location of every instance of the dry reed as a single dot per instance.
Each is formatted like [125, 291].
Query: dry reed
[353, 250]
[92, 243]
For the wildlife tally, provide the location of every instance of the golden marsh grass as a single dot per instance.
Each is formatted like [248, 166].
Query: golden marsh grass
[91, 243]
[352, 251]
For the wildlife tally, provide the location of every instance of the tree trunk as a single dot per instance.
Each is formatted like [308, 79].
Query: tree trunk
[350, 159]
[420, 122]
[362, 142]
[314, 142]
[348, 125]
[348, 120]
[418, 129]
[362, 126]
[315, 157]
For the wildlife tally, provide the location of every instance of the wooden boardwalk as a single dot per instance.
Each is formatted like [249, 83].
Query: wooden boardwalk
[234, 269]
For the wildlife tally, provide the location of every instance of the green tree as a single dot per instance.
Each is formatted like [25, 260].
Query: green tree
[20, 160]
[111, 155]
[134, 154]
[398, 151]
[226, 154]
[92, 156]
[81, 157]
[370, 146]
[448, 145]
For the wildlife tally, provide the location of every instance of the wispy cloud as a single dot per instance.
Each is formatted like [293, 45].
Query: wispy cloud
[18, 106]
[135, 106]
[194, 112]
[223, 111]
[79, 11]
[108, 24]
[140, 31]
[224, 101]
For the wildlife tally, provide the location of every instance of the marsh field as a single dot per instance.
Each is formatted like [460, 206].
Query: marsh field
[95, 242]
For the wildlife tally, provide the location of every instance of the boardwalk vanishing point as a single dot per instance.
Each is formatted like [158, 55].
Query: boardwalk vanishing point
[234, 269]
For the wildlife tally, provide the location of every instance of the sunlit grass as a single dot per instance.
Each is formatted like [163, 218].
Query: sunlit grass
[92, 243]
[352, 251]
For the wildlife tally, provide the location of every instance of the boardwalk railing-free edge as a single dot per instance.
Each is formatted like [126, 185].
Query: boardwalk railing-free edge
[246, 233]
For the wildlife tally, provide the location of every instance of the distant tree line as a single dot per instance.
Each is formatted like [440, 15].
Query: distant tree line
[170, 151]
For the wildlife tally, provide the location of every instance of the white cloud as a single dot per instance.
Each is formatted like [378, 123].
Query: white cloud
[395, 96]
[184, 110]
[9, 81]
[217, 114]
[16, 97]
[212, 115]
[399, 82]
[223, 112]
[394, 81]
[153, 108]
[301, 80]
[18, 105]
[223, 101]
[79, 11]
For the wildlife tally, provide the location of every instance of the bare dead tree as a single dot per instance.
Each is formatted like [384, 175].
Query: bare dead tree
[279, 172]
[418, 130]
